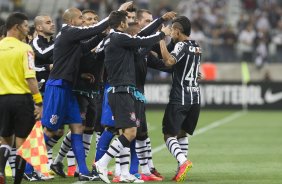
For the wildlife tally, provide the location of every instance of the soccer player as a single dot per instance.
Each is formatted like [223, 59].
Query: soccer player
[87, 93]
[143, 145]
[61, 106]
[119, 62]
[182, 112]
[18, 86]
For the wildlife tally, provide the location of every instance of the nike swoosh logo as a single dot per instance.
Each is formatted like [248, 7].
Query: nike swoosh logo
[272, 98]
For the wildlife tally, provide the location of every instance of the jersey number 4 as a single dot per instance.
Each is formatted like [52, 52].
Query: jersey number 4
[191, 75]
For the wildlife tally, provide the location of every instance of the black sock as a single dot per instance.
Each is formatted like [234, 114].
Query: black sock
[4, 155]
[20, 166]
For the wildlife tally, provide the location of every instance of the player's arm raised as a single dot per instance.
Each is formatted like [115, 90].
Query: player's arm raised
[168, 59]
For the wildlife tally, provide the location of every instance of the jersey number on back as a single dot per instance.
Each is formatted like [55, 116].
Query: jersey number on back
[191, 75]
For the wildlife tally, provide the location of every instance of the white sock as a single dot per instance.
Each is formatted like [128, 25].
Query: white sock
[70, 158]
[184, 145]
[64, 149]
[149, 153]
[87, 142]
[113, 150]
[141, 150]
[174, 148]
[124, 161]
[117, 166]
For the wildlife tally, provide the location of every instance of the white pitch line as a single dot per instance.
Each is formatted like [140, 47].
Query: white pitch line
[208, 127]
[202, 130]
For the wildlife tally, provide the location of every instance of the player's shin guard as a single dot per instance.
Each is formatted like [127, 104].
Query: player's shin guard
[78, 149]
[103, 144]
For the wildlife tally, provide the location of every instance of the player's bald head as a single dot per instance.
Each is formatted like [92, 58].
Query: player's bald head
[70, 14]
[39, 19]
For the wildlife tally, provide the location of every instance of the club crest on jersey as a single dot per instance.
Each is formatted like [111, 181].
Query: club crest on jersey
[54, 119]
[137, 122]
[132, 116]
[178, 48]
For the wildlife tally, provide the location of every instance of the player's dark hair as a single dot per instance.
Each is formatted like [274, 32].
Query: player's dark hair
[131, 9]
[184, 23]
[89, 11]
[31, 30]
[3, 31]
[14, 19]
[116, 17]
[139, 13]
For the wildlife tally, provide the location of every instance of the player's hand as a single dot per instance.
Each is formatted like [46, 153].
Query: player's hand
[50, 66]
[154, 54]
[169, 16]
[166, 30]
[38, 111]
[200, 76]
[126, 6]
[88, 76]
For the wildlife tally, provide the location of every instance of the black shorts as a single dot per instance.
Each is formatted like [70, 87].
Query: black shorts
[140, 118]
[97, 126]
[179, 117]
[16, 115]
[122, 106]
[87, 107]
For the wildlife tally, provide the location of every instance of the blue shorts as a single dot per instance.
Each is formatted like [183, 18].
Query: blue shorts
[59, 106]
[107, 115]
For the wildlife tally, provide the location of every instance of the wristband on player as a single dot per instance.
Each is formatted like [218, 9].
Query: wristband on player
[37, 98]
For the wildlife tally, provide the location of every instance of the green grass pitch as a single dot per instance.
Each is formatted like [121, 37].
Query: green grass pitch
[228, 147]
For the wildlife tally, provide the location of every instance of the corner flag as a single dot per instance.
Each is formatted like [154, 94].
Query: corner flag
[245, 73]
[34, 149]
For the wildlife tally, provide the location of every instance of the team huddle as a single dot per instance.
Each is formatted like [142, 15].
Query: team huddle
[91, 76]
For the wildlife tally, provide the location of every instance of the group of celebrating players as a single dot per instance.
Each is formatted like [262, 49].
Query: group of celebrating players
[92, 77]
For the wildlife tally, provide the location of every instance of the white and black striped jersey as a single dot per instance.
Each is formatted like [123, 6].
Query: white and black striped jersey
[185, 89]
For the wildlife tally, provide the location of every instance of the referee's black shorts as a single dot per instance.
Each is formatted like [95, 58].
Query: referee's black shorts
[16, 115]
[180, 117]
[122, 106]
[141, 118]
